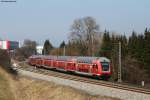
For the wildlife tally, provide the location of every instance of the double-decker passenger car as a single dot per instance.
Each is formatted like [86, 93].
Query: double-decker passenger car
[99, 67]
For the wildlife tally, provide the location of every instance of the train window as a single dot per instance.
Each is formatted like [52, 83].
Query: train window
[95, 66]
[105, 66]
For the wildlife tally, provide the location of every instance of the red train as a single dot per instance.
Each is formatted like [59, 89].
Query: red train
[99, 67]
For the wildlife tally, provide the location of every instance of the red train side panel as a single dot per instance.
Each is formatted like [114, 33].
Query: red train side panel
[95, 66]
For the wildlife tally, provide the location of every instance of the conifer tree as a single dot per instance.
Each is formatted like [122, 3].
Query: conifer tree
[132, 45]
[147, 49]
[62, 44]
[106, 45]
[47, 48]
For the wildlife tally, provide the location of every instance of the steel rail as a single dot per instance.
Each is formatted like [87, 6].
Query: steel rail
[85, 80]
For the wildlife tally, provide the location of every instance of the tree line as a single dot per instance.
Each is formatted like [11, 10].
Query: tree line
[86, 39]
[135, 53]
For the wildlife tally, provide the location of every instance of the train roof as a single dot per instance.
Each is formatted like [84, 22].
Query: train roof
[90, 59]
[77, 58]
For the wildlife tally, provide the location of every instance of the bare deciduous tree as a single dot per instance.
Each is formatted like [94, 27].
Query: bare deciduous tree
[86, 30]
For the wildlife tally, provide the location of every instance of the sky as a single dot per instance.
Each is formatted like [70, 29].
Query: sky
[51, 19]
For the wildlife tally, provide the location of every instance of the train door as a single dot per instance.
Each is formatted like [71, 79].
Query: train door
[71, 66]
[94, 69]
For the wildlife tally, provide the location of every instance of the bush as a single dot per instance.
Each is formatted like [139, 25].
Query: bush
[5, 62]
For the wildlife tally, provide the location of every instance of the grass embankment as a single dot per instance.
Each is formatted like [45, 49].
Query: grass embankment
[5, 90]
[25, 88]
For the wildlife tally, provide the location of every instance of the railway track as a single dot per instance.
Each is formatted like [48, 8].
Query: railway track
[61, 74]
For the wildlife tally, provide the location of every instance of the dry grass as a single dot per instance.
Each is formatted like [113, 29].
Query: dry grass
[41, 90]
[5, 91]
[31, 89]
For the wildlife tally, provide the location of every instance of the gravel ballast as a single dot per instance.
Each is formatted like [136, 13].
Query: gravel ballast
[90, 88]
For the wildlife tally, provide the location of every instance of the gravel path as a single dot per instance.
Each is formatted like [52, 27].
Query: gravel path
[90, 88]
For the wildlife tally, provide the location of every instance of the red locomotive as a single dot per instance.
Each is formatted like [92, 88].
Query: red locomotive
[92, 66]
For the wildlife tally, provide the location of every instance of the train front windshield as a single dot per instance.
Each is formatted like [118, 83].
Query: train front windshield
[105, 66]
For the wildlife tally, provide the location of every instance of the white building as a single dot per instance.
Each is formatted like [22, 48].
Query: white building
[39, 49]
